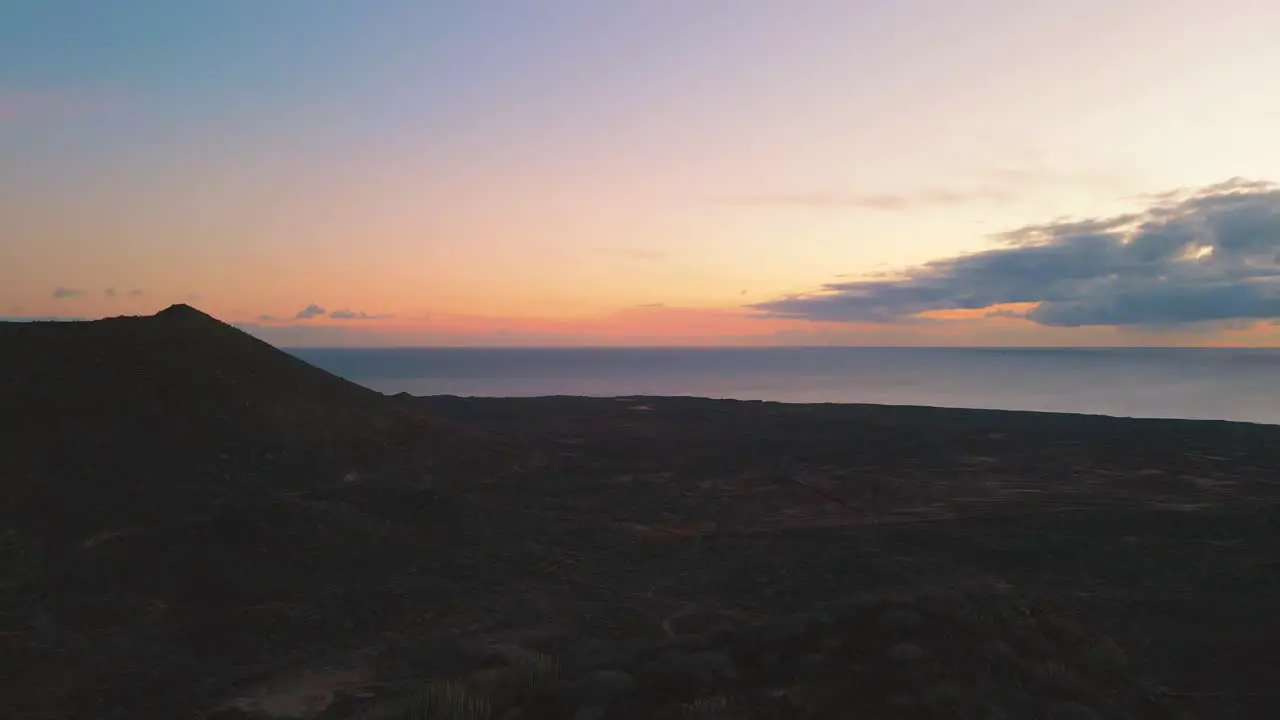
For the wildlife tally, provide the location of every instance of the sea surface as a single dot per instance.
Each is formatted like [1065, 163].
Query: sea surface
[1226, 384]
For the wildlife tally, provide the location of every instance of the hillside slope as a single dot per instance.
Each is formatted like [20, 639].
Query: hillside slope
[178, 499]
[130, 416]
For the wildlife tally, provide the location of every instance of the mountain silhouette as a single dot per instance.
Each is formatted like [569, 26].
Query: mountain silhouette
[102, 420]
[173, 461]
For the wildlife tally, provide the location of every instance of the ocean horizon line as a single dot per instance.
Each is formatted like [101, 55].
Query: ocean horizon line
[777, 347]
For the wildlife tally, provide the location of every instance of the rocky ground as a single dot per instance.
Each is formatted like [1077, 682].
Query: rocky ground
[630, 557]
[962, 653]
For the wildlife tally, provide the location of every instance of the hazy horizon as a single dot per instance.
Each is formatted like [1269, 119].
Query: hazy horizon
[257, 331]
[1188, 383]
[1011, 348]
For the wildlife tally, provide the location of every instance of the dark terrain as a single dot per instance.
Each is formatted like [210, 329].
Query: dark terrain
[196, 523]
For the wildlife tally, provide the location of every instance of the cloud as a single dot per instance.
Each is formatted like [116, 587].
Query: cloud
[1002, 313]
[40, 318]
[313, 311]
[989, 186]
[109, 293]
[353, 315]
[309, 312]
[1207, 255]
[64, 293]
[892, 202]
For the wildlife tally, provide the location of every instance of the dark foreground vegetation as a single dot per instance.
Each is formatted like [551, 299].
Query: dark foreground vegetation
[194, 524]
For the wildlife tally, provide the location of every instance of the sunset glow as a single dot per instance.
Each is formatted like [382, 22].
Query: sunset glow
[647, 173]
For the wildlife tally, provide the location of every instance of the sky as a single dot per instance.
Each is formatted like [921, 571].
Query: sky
[648, 172]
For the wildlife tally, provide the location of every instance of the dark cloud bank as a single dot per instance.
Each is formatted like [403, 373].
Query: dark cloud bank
[1211, 255]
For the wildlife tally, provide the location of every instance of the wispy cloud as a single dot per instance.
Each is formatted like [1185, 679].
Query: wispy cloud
[109, 293]
[1206, 255]
[355, 315]
[1009, 314]
[887, 202]
[314, 311]
[310, 311]
[983, 186]
[66, 293]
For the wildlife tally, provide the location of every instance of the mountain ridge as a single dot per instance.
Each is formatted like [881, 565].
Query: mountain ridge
[104, 407]
[163, 478]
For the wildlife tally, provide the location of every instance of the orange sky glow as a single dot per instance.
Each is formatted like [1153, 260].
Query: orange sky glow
[779, 174]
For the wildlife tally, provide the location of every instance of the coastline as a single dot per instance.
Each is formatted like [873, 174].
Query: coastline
[1202, 383]
[292, 524]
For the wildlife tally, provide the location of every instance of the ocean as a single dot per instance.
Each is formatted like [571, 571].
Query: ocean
[1223, 384]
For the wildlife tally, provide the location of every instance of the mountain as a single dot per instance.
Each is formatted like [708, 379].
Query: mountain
[115, 415]
[164, 478]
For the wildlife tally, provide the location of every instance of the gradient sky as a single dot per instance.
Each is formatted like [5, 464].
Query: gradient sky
[736, 172]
